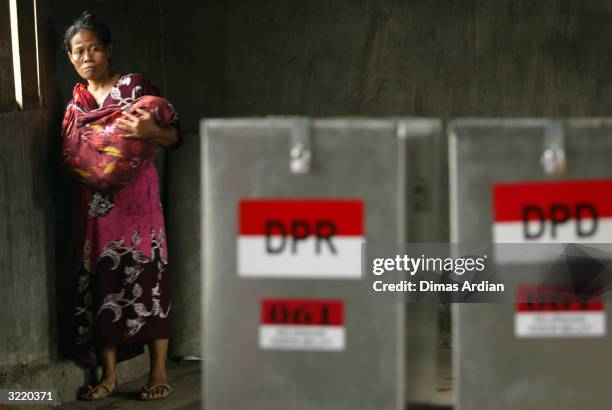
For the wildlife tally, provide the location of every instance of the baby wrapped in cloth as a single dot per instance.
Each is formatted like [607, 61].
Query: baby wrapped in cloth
[94, 149]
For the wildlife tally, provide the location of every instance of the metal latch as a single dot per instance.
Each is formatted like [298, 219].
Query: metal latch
[553, 159]
[300, 152]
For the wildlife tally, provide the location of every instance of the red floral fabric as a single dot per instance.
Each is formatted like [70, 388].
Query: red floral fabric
[94, 149]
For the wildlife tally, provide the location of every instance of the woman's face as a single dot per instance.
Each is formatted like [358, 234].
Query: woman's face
[89, 56]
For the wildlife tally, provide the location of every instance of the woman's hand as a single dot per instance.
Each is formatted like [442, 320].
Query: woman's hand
[145, 127]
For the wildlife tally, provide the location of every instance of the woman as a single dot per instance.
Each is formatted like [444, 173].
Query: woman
[123, 299]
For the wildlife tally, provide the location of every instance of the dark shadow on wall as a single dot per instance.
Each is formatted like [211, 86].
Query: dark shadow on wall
[62, 198]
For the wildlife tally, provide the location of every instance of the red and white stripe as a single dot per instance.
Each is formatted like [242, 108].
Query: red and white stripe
[509, 200]
[346, 215]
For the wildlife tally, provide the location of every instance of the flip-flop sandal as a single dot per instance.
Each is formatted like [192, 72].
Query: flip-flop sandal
[88, 394]
[165, 391]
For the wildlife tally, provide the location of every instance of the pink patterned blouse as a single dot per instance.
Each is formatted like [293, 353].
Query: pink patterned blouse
[131, 218]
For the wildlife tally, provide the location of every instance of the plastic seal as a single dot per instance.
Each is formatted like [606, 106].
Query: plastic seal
[553, 158]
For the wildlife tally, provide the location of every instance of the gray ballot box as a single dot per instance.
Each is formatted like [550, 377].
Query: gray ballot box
[287, 205]
[531, 182]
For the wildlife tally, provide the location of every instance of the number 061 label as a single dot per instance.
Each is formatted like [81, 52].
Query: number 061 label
[548, 312]
[302, 324]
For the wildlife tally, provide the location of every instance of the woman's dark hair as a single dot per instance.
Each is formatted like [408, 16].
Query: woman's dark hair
[87, 22]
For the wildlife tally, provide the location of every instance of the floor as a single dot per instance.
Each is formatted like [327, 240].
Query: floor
[444, 388]
[186, 381]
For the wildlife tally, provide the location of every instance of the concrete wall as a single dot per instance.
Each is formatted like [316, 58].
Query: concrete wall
[27, 282]
[425, 58]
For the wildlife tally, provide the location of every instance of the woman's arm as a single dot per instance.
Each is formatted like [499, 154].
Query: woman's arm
[165, 136]
[145, 127]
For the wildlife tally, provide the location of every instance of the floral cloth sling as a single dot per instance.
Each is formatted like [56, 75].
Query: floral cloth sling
[94, 149]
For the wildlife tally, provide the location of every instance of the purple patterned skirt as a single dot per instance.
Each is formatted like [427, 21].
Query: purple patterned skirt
[123, 301]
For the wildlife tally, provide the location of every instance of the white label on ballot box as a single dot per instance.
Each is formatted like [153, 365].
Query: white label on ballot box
[302, 324]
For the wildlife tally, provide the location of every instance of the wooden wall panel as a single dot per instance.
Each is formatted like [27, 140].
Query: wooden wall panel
[27, 271]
